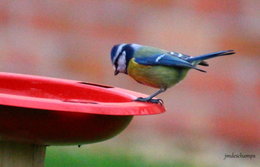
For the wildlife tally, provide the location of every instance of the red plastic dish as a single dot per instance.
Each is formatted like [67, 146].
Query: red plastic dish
[56, 111]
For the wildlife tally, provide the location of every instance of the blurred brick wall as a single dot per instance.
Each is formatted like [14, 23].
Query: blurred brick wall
[72, 39]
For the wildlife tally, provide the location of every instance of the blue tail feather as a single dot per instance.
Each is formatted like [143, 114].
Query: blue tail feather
[211, 55]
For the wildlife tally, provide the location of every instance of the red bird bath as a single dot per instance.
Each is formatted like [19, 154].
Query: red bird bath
[39, 111]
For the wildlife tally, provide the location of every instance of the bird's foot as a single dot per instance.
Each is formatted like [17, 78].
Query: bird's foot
[156, 101]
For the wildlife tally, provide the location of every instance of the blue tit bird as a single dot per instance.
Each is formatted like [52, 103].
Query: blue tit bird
[156, 67]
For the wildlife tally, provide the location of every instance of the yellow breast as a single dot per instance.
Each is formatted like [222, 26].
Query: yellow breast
[154, 76]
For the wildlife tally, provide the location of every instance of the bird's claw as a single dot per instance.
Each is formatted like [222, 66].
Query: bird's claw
[156, 101]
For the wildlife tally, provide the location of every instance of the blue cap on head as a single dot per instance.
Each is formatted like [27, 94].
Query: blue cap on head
[113, 51]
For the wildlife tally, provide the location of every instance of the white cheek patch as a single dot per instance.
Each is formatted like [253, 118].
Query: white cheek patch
[122, 62]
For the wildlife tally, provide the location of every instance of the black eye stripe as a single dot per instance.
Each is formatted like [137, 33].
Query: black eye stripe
[129, 53]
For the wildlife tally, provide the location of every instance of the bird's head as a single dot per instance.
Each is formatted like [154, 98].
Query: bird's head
[121, 54]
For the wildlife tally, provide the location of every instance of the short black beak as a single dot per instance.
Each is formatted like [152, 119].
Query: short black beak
[116, 72]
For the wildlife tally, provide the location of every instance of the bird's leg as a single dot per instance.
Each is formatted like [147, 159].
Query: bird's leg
[156, 93]
[150, 98]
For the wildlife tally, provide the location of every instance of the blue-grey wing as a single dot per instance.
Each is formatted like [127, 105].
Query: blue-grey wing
[165, 59]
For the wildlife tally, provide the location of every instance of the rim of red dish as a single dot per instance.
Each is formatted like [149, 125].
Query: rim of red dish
[45, 93]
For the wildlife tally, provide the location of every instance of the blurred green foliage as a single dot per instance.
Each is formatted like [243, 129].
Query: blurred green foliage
[84, 157]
